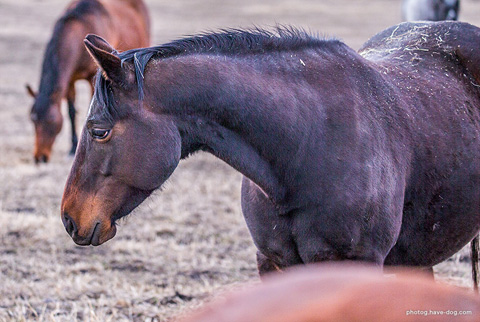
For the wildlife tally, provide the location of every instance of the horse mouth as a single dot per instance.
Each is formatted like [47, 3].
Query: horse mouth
[96, 237]
[104, 229]
[40, 159]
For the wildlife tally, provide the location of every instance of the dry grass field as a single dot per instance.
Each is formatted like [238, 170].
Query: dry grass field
[184, 244]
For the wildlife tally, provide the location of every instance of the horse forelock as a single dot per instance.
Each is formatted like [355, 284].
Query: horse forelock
[106, 108]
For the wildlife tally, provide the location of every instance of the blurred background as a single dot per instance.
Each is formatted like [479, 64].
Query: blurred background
[182, 245]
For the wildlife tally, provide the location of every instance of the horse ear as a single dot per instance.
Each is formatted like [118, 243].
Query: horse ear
[30, 91]
[106, 58]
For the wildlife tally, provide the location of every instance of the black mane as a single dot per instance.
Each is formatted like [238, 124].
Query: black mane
[237, 42]
[50, 66]
[228, 42]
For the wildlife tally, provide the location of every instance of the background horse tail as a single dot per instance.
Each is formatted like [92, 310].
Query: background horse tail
[475, 248]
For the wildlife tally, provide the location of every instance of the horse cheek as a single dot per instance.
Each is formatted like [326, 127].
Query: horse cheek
[166, 155]
[153, 158]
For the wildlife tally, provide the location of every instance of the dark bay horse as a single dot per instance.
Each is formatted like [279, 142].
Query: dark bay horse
[370, 156]
[124, 23]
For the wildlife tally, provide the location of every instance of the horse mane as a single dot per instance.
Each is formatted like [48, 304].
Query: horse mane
[50, 67]
[237, 42]
[229, 42]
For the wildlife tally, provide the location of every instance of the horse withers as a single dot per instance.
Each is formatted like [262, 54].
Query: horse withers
[368, 156]
[124, 23]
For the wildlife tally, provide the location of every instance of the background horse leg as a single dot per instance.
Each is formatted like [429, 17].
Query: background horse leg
[71, 114]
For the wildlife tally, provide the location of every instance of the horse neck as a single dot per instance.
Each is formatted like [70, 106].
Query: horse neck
[220, 108]
[58, 66]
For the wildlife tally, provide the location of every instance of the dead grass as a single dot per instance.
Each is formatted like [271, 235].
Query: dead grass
[171, 254]
[182, 245]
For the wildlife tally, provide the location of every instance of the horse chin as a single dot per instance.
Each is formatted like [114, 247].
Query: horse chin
[137, 196]
[100, 238]
[99, 235]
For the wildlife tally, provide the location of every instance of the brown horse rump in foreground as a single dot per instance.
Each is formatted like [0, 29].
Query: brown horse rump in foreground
[124, 23]
[369, 156]
[335, 292]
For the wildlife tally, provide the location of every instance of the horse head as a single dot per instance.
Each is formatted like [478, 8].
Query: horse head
[47, 119]
[126, 151]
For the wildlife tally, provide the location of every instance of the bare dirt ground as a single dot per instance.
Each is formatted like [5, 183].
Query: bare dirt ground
[182, 245]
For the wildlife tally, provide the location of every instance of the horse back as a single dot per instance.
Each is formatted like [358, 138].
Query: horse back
[124, 23]
[131, 23]
[456, 41]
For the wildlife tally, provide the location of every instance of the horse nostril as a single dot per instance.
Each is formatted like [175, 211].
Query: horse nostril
[41, 159]
[69, 225]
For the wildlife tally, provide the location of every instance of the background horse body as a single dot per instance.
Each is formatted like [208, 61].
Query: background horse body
[433, 10]
[125, 23]
[333, 292]
[346, 156]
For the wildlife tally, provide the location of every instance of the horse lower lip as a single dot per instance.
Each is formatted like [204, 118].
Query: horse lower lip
[95, 239]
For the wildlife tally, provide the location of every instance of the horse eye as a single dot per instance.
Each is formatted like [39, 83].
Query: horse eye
[100, 134]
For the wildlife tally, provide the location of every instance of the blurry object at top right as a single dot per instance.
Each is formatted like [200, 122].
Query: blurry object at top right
[433, 10]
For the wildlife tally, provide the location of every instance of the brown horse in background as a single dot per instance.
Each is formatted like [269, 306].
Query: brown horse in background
[124, 23]
[318, 293]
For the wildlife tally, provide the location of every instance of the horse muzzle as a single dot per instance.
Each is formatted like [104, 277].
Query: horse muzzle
[96, 235]
[41, 158]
